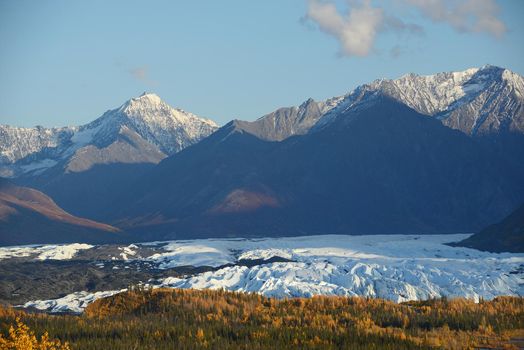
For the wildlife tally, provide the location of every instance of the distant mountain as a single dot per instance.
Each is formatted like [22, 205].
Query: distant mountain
[82, 167]
[379, 167]
[28, 216]
[143, 130]
[288, 121]
[434, 154]
[477, 101]
[505, 236]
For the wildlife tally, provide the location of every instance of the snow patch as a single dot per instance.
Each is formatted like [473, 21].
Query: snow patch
[128, 251]
[71, 303]
[44, 252]
[187, 254]
[38, 166]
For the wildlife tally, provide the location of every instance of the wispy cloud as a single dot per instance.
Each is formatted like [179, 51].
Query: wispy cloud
[357, 28]
[392, 23]
[474, 16]
[396, 51]
[140, 73]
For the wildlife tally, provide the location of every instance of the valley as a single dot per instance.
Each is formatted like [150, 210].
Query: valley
[353, 196]
[309, 174]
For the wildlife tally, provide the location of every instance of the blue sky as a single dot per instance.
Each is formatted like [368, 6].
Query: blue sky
[66, 62]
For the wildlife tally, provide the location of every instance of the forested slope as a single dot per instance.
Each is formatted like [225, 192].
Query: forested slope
[191, 319]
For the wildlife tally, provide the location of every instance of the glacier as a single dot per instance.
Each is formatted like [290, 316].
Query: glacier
[395, 267]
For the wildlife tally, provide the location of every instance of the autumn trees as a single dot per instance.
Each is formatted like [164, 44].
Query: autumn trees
[20, 337]
[191, 319]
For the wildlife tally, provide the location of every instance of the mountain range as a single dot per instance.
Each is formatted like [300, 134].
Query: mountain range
[380, 167]
[477, 101]
[419, 154]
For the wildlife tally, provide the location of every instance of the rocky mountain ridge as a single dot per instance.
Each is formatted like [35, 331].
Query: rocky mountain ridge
[144, 129]
[476, 101]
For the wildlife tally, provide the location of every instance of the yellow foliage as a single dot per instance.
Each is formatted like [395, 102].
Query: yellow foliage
[22, 338]
[200, 334]
[218, 319]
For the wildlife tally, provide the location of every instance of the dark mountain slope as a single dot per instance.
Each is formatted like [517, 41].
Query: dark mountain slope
[85, 168]
[84, 184]
[87, 193]
[81, 168]
[505, 236]
[386, 168]
[199, 179]
[28, 216]
[380, 167]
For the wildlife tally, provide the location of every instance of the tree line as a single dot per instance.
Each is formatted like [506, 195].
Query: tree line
[215, 319]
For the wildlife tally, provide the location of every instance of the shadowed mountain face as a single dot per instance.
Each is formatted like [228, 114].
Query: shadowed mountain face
[505, 236]
[379, 167]
[431, 154]
[28, 216]
[82, 167]
[88, 193]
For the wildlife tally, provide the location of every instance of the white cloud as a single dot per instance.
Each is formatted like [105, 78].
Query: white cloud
[356, 31]
[464, 15]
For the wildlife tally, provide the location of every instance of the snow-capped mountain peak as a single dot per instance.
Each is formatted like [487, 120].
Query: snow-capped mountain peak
[476, 101]
[171, 129]
[150, 96]
[144, 103]
[151, 108]
[147, 117]
[428, 94]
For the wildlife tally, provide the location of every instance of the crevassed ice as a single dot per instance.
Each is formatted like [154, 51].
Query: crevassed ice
[394, 267]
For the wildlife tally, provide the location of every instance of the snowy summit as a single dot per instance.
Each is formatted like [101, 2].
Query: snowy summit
[156, 129]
